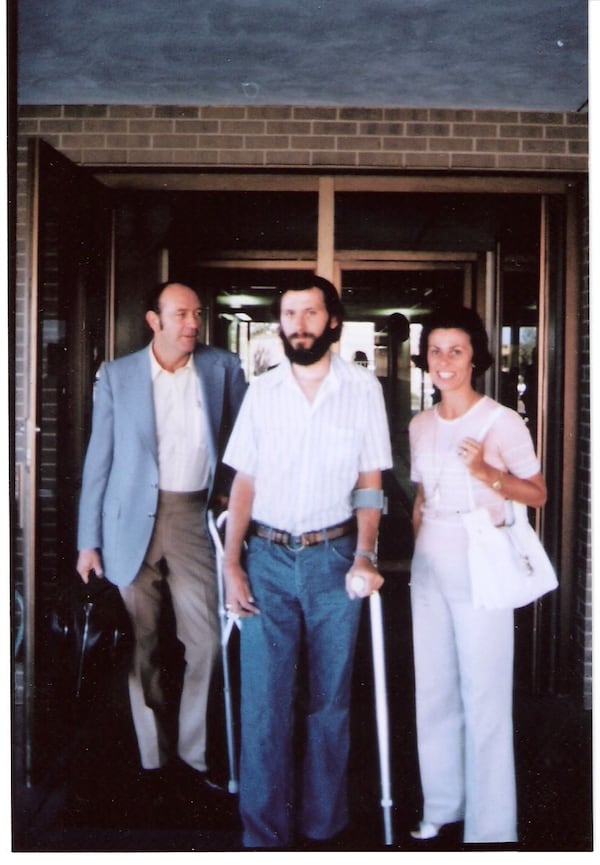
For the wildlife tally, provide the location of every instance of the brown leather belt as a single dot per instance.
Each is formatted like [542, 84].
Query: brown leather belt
[306, 539]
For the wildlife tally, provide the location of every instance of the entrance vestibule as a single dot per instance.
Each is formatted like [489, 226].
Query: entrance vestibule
[393, 246]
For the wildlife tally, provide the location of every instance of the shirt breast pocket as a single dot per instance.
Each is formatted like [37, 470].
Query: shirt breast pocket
[277, 447]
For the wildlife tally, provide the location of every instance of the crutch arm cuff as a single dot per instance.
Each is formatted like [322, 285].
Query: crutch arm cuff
[367, 497]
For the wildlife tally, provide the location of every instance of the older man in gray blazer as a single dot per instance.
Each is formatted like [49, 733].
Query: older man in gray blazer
[161, 420]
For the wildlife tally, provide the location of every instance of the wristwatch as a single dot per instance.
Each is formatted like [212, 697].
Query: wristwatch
[367, 554]
[497, 485]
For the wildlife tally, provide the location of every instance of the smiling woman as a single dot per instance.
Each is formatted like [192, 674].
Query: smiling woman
[463, 656]
[450, 359]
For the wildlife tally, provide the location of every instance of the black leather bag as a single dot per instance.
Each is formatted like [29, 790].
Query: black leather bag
[92, 635]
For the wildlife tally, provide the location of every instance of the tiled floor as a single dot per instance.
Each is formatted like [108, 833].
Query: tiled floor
[92, 798]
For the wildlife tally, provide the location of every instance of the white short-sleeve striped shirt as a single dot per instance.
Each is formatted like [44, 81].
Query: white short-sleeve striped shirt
[305, 457]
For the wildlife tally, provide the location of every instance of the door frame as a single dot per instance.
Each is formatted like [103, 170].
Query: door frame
[327, 185]
[43, 156]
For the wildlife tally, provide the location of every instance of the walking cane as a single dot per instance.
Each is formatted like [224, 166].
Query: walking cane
[381, 712]
[226, 622]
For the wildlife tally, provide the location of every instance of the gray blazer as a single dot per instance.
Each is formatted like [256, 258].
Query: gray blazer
[119, 493]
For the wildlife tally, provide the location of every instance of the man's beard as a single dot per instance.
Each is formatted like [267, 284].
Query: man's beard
[308, 356]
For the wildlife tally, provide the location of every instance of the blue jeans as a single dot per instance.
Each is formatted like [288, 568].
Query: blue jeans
[304, 608]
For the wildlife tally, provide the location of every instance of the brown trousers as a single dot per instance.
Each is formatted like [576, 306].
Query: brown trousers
[181, 552]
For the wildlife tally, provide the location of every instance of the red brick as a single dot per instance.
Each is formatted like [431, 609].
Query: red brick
[242, 127]
[317, 113]
[196, 126]
[356, 142]
[381, 160]
[450, 144]
[333, 158]
[498, 145]
[312, 142]
[544, 146]
[451, 115]
[288, 127]
[427, 160]
[441, 129]
[338, 128]
[473, 161]
[287, 157]
[245, 157]
[269, 112]
[361, 113]
[176, 111]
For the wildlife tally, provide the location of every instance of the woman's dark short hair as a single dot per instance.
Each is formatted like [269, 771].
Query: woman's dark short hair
[304, 282]
[461, 318]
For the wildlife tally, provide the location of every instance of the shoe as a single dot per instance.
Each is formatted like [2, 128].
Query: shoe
[185, 776]
[201, 801]
[210, 783]
[426, 831]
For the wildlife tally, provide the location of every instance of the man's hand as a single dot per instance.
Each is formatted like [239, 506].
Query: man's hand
[362, 579]
[87, 561]
[218, 504]
[238, 596]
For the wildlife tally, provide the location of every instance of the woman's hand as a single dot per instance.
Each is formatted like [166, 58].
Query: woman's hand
[529, 491]
[471, 453]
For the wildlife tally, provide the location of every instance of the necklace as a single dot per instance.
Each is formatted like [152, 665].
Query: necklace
[445, 451]
[451, 431]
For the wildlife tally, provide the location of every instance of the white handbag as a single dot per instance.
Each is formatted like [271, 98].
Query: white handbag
[508, 565]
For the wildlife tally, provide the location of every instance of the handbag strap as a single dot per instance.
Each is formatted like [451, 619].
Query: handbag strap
[489, 422]
[486, 427]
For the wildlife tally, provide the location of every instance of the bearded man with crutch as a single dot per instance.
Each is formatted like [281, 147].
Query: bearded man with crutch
[308, 448]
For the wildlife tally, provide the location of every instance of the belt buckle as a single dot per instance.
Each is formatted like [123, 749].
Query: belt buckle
[296, 543]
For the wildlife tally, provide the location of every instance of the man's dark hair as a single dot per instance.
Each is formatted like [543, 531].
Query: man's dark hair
[154, 295]
[304, 282]
[461, 318]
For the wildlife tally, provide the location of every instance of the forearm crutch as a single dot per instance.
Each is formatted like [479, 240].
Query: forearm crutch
[226, 623]
[381, 711]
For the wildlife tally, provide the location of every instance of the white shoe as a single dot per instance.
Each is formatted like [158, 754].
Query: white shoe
[426, 831]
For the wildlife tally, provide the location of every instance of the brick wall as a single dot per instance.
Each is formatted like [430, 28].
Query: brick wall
[292, 137]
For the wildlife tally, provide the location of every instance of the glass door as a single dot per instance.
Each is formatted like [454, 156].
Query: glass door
[385, 304]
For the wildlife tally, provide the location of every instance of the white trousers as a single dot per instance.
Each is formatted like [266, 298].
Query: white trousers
[464, 684]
